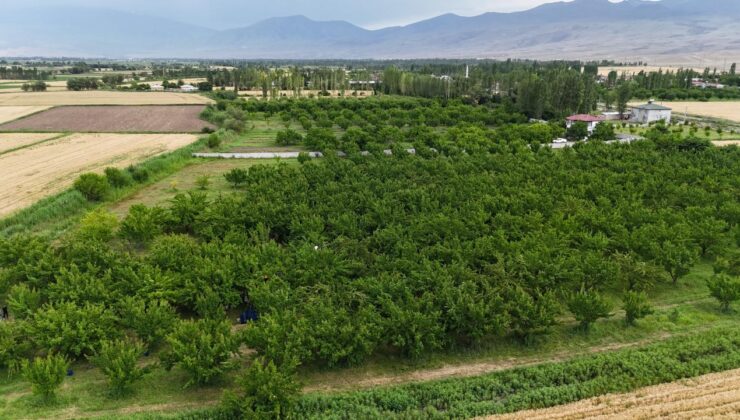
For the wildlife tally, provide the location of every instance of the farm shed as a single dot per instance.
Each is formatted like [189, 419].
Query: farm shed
[651, 112]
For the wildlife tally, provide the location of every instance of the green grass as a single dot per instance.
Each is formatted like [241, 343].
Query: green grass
[184, 180]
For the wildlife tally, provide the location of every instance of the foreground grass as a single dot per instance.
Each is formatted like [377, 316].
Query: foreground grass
[682, 311]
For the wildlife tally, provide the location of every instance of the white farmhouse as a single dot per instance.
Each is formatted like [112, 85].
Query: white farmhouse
[651, 112]
[591, 121]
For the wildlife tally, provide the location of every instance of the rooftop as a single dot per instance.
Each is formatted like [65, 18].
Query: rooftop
[585, 118]
[651, 106]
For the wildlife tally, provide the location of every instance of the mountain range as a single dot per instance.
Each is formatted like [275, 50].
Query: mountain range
[666, 31]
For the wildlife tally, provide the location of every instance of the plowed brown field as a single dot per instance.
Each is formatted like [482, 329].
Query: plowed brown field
[34, 172]
[113, 119]
[10, 113]
[715, 396]
[10, 141]
[100, 97]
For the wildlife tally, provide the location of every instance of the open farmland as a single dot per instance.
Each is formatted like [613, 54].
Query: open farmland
[12, 141]
[632, 70]
[10, 113]
[100, 119]
[728, 110]
[99, 97]
[38, 171]
[710, 396]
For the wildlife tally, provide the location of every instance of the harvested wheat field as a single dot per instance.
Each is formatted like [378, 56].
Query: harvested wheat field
[728, 110]
[10, 141]
[709, 397]
[10, 113]
[35, 172]
[101, 97]
[632, 70]
[114, 119]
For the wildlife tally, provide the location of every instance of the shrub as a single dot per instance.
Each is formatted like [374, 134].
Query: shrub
[725, 289]
[237, 176]
[203, 182]
[588, 306]
[214, 141]
[289, 138]
[636, 306]
[93, 186]
[577, 131]
[202, 348]
[303, 157]
[139, 174]
[117, 178]
[46, 375]
[98, 225]
[267, 392]
[142, 224]
[13, 345]
[118, 361]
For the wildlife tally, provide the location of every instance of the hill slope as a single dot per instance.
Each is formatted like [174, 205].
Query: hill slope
[685, 31]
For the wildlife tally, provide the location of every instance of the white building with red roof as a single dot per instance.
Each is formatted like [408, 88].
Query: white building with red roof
[591, 121]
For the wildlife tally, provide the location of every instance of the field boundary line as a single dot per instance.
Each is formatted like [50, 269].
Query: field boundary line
[60, 136]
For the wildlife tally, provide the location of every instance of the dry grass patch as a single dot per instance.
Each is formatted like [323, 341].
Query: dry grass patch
[710, 396]
[10, 113]
[35, 172]
[11, 141]
[101, 97]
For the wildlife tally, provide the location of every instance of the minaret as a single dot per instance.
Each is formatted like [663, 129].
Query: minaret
[467, 71]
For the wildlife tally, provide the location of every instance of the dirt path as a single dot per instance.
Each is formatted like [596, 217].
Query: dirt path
[711, 396]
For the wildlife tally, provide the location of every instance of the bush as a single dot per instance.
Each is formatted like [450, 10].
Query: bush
[98, 225]
[139, 175]
[577, 131]
[267, 392]
[237, 176]
[203, 182]
[46, 375]
[93, 186]
[725, 289]
[588, 306]
[303, 157]
[142, 224]
[118, 361]
[202, 348]
[636, 306]
[117, 178]
[214, 141]
[289, 138]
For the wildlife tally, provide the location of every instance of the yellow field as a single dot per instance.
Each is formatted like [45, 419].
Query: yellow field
[35, 172]
[10, 113]
[711, 396]
[306, 93]
[100, 98]
[728, 110]
[632, 70]
[10, 141]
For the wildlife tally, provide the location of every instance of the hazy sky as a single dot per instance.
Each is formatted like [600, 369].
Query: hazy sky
[366, 13]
